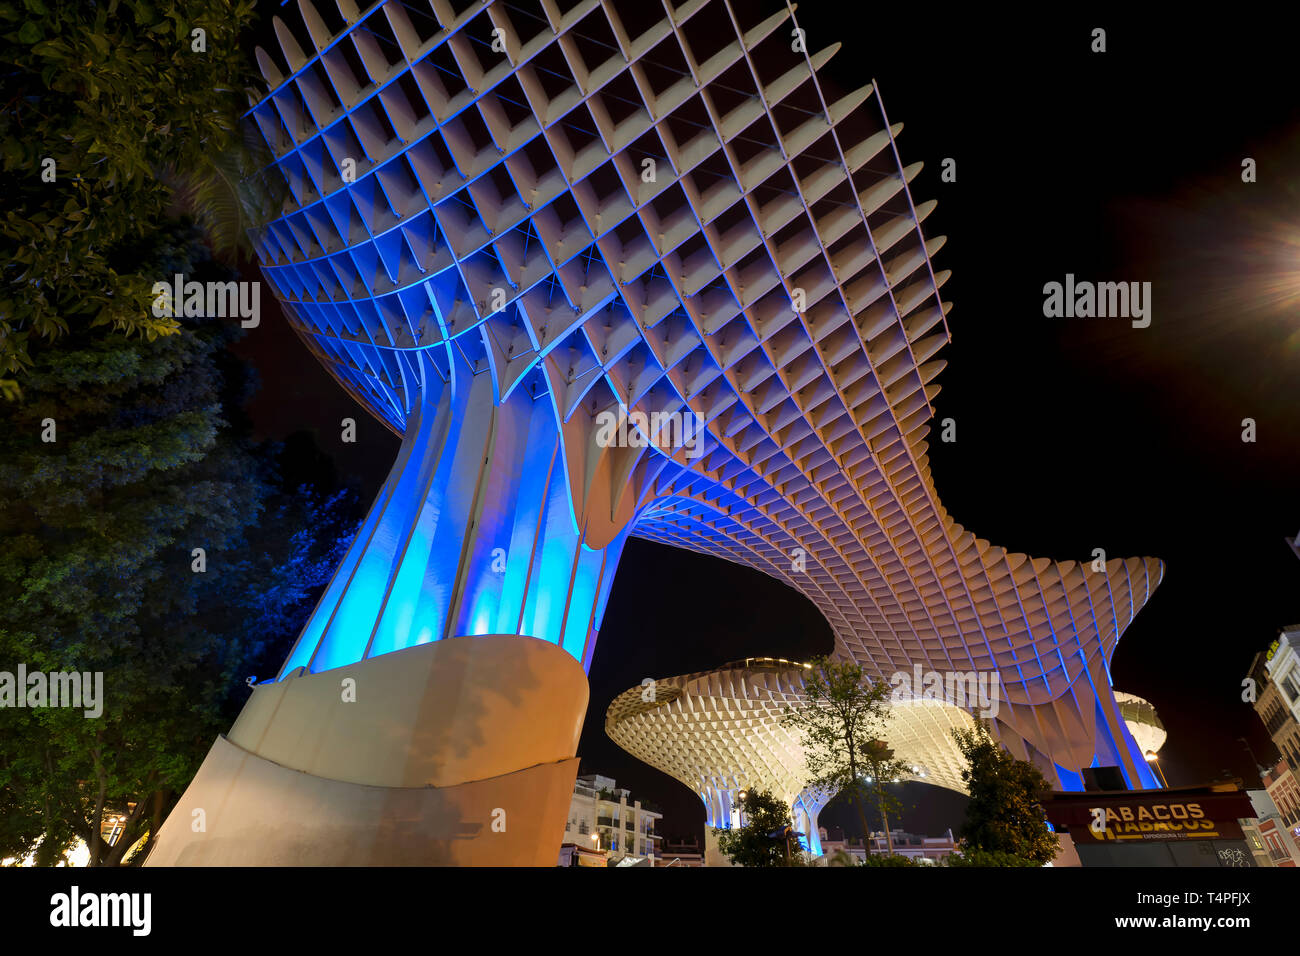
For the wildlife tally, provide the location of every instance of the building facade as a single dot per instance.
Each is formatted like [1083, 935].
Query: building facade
[1251, 827]
[1283, 790]
[1183, 827]
[1272, 707]
[682, 852]
[608, 268]
[1268, 835]
[1282, 662]
[922, 848]
[604, 816]
[1274, 677]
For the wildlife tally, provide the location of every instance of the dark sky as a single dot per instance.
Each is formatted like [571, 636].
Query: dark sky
[1071, 434]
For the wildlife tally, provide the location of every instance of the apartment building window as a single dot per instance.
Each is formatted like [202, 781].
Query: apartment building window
[1275, 849]
[1291, 686]
[1290, 812]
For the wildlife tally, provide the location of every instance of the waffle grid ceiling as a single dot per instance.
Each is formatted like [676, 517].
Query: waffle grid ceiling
[499, 208]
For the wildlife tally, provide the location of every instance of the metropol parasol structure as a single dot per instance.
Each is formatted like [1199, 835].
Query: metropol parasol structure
[721, 733]
[510, 222]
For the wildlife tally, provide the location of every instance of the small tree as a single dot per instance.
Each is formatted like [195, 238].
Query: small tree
[882, 770]
[969, 856]
[841, 722]
[764, 838]
[1004, 815]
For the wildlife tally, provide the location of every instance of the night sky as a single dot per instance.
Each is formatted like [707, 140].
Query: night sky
[1072, 434]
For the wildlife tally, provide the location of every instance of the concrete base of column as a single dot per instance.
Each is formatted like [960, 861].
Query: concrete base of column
[457, 753]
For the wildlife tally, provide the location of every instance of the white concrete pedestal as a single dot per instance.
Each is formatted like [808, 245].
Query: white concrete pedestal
[458, 753]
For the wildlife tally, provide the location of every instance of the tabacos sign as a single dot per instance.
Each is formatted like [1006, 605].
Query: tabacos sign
[1152, 821]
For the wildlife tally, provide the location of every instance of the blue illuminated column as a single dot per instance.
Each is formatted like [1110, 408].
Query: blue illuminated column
[723, 810]
[505, 221]
[807, 808]
[474, 533]
[1077, 729]
[430, 710]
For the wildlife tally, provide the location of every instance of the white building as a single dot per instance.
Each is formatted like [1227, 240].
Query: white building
[923, 849]
[605, 817]
[1258, 830]
[1282, 662]
[1268, 835]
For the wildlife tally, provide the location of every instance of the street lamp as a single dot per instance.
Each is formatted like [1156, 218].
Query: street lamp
[1155, 762]
[741, 797]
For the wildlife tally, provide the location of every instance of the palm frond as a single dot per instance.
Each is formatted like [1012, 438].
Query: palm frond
[231, 193]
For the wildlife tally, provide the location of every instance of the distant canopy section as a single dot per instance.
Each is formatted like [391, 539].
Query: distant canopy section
[721, 732]
[1142, 721]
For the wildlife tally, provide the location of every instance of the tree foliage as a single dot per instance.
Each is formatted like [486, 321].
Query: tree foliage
[98, 573]
[972, 856]
[753, 843]
[1004, 817]
[841, 723]
[889, 860]
[114, 102]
